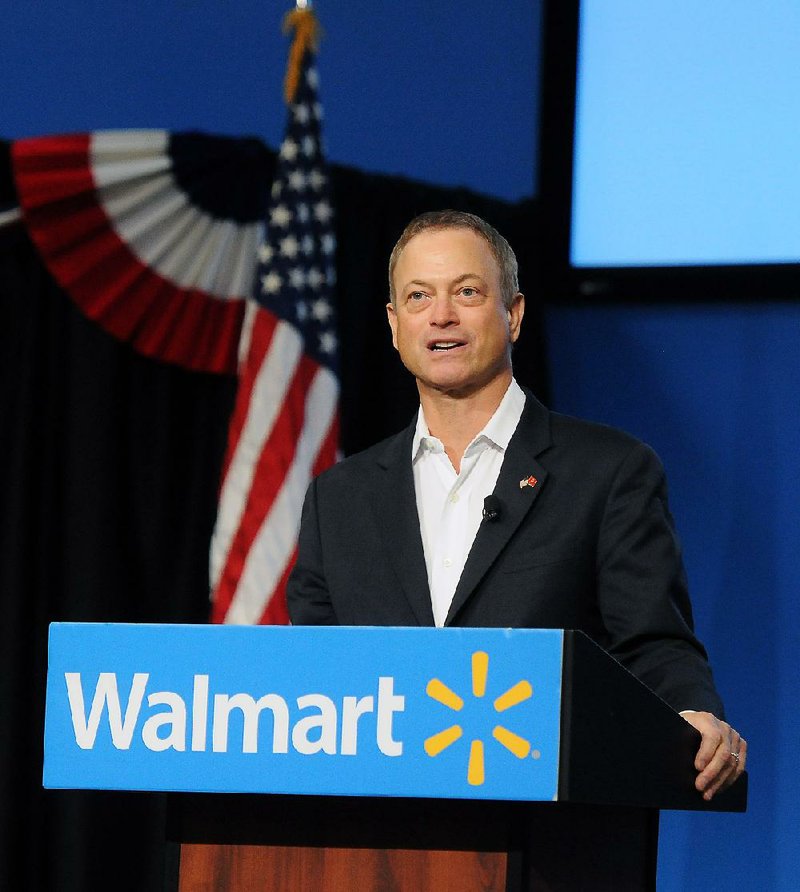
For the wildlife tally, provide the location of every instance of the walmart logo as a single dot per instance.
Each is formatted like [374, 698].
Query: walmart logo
[305, 710]
[516, 694]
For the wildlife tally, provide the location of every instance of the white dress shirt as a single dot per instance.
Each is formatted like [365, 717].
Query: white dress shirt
[450, 504]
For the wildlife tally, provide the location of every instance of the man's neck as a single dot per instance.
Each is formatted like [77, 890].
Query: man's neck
[456, 419]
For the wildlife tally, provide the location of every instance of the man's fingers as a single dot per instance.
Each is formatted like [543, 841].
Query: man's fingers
[721, 756]
[738, 756]
[717, 769]
[713, 738]
[742, 751]
[724, 776]
[726, 766]
[709, 747]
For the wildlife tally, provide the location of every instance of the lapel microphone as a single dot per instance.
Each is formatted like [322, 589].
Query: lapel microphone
[491, 508]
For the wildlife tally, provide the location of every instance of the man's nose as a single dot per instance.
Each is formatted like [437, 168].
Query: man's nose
[444, 311]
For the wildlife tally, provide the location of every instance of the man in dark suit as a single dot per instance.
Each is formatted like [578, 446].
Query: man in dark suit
[489, 510]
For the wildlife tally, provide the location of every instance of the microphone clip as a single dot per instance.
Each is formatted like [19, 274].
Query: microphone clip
[491, 508]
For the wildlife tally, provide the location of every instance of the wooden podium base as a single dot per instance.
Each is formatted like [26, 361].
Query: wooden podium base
[290, 868]
[228, 843]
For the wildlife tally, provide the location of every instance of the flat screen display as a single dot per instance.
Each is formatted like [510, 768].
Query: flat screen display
[686, 144]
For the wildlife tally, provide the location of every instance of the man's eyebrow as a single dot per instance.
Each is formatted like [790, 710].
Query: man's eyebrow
[417, 282]
[457, 281]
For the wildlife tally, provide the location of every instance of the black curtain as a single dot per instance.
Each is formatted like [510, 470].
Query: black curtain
[109, 468]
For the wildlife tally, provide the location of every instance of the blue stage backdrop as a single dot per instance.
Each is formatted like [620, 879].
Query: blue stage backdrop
[442, 92]
[714, 391]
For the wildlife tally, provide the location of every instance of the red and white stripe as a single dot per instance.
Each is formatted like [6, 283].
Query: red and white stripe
[284, 431]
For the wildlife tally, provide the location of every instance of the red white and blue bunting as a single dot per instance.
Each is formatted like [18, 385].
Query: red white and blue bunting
[154, 235]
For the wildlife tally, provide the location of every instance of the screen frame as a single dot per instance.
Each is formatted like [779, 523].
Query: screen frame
[564, 283]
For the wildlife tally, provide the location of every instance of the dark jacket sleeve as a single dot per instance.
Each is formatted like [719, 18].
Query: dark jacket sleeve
[641, 588]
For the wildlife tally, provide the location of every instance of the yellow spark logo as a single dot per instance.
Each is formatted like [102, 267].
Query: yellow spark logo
[515, 744]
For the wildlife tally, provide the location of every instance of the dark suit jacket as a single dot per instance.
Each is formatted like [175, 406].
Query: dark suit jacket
[590, 546]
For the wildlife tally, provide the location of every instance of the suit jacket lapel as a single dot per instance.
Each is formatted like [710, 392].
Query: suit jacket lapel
[531, 437]
[395, 505]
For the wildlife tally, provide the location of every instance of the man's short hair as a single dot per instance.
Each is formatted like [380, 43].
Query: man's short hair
[449, 219]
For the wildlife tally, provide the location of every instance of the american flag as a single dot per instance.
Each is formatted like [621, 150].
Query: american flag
[284, 428]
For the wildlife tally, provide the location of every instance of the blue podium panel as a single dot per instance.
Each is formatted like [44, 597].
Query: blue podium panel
[417, 712]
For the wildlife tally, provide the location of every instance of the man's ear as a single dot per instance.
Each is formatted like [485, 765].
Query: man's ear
[515, 313]
[391, 313]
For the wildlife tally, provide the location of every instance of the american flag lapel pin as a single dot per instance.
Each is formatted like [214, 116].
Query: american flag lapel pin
[528, 481]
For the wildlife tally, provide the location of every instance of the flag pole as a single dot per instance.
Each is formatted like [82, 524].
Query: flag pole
[284, 428]
[307, 32]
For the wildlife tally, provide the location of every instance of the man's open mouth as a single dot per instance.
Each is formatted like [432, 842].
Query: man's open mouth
[439, 346]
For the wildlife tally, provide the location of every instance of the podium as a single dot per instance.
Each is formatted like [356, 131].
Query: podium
[501, 760]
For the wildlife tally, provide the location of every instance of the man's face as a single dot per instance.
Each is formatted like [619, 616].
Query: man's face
[450, 325]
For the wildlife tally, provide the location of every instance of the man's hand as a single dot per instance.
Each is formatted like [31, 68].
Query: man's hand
[722, 754]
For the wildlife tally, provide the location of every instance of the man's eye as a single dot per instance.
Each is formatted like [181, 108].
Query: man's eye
[469, 291]
[417, 295]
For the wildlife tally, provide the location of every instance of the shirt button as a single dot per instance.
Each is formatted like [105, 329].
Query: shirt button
[447, 562]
